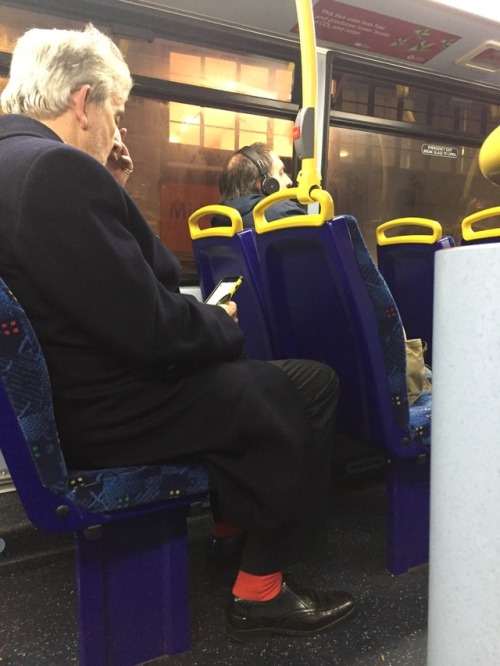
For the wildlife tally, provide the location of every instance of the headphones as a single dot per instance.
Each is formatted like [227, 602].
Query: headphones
[269, 185]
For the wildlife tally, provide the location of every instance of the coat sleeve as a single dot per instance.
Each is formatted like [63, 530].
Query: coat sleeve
[87, 253]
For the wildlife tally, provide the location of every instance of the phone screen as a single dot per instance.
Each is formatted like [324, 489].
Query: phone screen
[224, 291]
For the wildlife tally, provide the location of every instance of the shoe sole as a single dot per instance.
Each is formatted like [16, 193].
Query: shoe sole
[246, 635]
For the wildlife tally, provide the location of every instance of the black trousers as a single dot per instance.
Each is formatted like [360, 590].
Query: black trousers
[269, 551]
[264, 430]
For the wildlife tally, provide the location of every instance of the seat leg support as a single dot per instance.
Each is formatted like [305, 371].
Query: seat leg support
[132, 583]
[408, 490]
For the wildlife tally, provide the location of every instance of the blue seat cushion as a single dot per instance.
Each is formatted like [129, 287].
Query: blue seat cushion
[420, 419]
[121, 487]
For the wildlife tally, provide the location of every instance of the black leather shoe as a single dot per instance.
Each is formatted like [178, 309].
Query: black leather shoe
[294, 612]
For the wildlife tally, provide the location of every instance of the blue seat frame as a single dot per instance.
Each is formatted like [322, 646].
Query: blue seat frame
[408, 269]
[327, 301]
[230, 251]
[220, 256]
[130, 523]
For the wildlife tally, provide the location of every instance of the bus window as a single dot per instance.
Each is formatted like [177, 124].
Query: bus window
[379, 177]
[179, 151]
[179, 147]
[400, 146]
[260, 76]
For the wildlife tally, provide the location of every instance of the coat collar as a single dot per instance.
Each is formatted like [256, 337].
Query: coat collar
[19, 125]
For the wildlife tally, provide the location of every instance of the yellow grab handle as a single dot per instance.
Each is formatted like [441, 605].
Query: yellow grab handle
[468, 232]
[215, 209]
[435, 228]
[322, 197]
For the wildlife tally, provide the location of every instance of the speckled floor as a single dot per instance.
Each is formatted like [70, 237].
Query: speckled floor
[38, 608]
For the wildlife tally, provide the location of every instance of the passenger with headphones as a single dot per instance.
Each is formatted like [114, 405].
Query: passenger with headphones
[251, 174]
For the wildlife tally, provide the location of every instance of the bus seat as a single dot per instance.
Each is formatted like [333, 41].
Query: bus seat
[129, 523]
[491, 234]
[327, 301]
[407, 265]
[227, 251]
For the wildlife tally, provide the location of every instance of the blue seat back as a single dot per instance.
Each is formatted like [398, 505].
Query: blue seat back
[220, 256]
[327, 301]
[26, 386]
[130, 522]
[30, 444]
[408, 269]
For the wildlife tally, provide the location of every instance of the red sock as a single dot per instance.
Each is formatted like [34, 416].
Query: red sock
[257, 588]
[222, 530]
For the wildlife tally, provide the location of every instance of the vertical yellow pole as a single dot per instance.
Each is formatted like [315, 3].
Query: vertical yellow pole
[308, 190]
[309, 177]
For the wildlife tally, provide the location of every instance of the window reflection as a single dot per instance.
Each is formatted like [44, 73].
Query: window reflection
[20, 20]
[378, 177]
[197, 66]
[179, 151]
[411, 104]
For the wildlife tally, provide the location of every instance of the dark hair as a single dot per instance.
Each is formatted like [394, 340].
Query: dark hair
[241, 176]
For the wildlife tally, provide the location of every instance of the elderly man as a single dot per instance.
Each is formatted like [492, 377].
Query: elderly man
[142, 374]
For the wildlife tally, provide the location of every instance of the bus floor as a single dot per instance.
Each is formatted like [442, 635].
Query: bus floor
[38, 607]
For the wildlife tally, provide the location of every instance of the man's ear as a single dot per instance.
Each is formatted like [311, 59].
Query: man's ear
[80, 100]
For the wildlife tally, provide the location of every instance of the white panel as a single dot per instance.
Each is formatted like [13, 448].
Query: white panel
[193, 291]
[464, 587]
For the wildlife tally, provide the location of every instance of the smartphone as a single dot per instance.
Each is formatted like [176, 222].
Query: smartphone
[224, 291]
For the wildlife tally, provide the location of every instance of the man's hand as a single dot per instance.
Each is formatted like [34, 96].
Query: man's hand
[119, 162]
[232, 310]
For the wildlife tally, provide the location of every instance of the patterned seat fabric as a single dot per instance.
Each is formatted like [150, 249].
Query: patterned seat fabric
[417, 418]
[25, 377]
[108, 489]
[420, 419]
[404, 266]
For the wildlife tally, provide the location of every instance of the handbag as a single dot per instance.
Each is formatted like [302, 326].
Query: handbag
[416, 380]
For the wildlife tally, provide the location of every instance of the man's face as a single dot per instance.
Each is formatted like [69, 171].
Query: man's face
[103, 122]
[278, 171]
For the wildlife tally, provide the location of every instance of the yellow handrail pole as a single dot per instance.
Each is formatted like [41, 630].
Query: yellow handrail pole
[307, 51]
[309, 176]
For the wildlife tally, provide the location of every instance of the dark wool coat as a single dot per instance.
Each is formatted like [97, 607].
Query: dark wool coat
[246, 204]
[141, 373]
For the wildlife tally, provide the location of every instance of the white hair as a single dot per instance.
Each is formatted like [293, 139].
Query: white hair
[48, 66]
